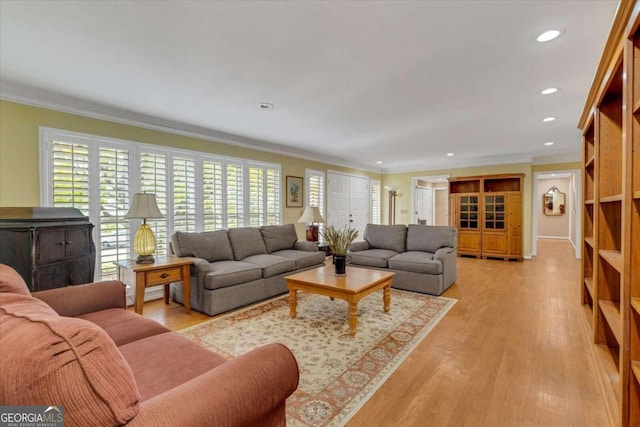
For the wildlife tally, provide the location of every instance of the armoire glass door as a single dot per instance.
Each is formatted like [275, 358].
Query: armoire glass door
[494, 210]
[469, 212]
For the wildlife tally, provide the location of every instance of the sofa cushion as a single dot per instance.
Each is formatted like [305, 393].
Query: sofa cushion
[11, 281]
[302, 259]
[210, 245]
[372, 257]
[62, 361]
[124, 326]
[229, 273]
[271, 265]
[179, 361]
[279, 237]
[429, 238]
[416, 262]
[246, 242]
[390, 237]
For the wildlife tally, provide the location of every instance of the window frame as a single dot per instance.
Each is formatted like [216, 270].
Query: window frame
[47, 137]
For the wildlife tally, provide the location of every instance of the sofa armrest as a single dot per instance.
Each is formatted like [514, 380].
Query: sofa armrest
[306, 246]
[442, 253]
[359, 246]
[72, 301]
[241, 392]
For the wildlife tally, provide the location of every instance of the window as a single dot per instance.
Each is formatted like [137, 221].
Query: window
[376, 205]
[195, 191]
[315, 192]
[184, 194]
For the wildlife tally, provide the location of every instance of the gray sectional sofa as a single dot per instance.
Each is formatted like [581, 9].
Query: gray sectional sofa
[423, 257]
[235, 267]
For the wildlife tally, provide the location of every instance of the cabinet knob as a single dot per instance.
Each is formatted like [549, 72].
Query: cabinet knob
[164, 275]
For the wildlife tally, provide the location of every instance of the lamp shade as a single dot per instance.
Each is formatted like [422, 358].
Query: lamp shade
[311, 215]
[144, 206]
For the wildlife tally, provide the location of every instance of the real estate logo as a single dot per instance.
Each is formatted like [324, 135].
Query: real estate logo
[31, 416]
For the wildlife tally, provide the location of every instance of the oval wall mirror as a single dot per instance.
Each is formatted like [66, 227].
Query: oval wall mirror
[553, 202]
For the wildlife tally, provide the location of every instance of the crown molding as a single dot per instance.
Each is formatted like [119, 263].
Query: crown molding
[22, 94]
[470, 163]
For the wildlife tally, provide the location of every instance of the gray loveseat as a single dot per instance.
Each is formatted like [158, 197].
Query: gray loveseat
[422, 256]
[235, 267]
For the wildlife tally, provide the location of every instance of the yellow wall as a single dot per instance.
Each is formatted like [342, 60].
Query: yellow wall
[404, 181]
[19, 151]
[20, 177]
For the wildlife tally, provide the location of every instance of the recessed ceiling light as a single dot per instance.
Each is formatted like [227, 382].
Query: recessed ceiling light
[549, 143]
[553, 174]
[548, 35]
[379, 162]
[549, 119]
[549, 91]
[266, 105]
[450, 154]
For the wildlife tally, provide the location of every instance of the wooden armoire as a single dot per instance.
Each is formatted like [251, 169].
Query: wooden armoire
[487, 211]
[48, 247]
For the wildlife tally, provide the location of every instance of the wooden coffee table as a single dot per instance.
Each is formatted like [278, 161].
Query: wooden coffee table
[357, 284]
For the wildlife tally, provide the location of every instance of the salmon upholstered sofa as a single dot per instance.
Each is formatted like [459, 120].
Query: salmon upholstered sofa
[78, 347]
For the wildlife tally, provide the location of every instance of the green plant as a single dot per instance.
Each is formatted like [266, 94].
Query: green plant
[339, 240]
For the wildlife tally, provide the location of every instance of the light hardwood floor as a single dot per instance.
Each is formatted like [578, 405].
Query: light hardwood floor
[513, 351]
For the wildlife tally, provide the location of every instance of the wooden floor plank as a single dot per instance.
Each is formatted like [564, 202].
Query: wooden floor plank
[513, 351]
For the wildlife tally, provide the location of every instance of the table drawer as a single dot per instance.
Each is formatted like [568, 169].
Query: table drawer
[167, 275]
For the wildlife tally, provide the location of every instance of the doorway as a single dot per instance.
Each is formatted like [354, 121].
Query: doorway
[348, 201]
[557, 212]
[431, 200]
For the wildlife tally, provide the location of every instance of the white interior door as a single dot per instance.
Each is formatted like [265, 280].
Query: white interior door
[358, 203]
[338, 200]
[348, 201]
[424, 205]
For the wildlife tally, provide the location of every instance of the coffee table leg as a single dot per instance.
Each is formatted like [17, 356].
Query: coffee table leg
[387, 298]
[353, 317]
[293, 303]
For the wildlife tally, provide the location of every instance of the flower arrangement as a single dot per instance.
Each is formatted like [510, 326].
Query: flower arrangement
[339, 240]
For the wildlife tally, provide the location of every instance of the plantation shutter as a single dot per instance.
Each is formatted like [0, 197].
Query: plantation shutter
[256, 196]
[184, 194]
[235, 196]
[315, 192]
[273, 196]
[71, 176]
[153, 179]
[212, 183]
[114, 234]
[376, 205]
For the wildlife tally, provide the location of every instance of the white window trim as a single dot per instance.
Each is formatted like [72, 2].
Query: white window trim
[47, 136]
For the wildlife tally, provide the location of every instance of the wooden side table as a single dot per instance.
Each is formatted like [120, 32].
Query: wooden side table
[164, 271]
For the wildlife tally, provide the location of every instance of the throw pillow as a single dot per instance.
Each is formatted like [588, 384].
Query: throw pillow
[279, 237]
[246, 242]
[53, 360]
[390, 237]
[210, 245]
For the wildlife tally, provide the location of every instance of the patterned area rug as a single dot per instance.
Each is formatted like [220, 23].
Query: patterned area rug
[338, 372]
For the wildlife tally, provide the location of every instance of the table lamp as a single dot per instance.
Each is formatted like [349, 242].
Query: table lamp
[312, 217]
[144, 206]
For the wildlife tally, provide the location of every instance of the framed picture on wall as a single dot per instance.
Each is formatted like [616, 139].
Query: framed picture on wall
[295, 195]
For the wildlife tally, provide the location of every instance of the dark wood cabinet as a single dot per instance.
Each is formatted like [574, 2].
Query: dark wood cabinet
[49, 247]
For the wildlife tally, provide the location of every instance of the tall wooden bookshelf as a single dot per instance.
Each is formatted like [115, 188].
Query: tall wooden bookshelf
[610, 282]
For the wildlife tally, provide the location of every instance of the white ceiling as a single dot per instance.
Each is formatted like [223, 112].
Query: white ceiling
[352, 82]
